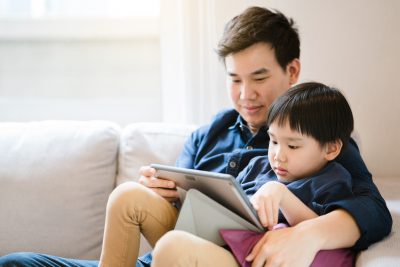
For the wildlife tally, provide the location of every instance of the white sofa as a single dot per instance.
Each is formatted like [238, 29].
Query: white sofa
[55, 178]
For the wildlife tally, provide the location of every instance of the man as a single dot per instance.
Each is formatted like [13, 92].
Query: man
[261, 51]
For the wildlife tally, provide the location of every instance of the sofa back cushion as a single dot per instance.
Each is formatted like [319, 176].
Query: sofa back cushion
[146, 143]
[55, 178]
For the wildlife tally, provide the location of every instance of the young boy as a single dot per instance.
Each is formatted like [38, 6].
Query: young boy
[308, 126]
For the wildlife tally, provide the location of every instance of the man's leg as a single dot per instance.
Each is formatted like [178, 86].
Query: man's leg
[29, 259]
[133, 208]
[182, 249]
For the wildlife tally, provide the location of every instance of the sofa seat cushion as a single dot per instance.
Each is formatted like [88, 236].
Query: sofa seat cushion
[55, 178]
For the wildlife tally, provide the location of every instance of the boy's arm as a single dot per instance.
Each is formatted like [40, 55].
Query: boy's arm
[273, 196]
[294, 210]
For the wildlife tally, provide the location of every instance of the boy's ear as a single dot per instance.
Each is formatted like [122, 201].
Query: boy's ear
[332, 149]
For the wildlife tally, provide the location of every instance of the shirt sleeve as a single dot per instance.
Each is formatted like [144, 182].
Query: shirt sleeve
[367, 207]
[187, 157]
[333, 186]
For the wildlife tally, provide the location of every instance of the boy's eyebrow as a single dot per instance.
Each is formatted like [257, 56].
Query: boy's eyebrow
[287, 138]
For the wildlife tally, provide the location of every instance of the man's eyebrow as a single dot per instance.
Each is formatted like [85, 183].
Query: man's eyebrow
[256, 72]
[260, 71]
[232, 74]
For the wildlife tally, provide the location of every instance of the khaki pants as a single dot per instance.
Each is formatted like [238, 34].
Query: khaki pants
[133, 209]
[179, 248]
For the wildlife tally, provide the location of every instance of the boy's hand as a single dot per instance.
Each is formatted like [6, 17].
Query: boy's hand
[266, 202]
[162, 187]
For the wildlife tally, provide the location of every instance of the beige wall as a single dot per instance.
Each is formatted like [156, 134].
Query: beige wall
[354, 45]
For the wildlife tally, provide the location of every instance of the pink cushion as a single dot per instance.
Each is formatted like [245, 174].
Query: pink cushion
[241, 242]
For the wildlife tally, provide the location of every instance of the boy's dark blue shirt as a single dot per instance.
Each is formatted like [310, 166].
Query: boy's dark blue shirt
[318, 192]
[227, 146]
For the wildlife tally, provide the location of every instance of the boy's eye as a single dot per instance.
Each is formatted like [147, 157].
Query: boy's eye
[293, 147]
[273, 142]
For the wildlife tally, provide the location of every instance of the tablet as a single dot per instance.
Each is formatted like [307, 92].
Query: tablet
[222, 188]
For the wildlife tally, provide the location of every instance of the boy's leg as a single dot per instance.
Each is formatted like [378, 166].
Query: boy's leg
[133, 209]
[179, 248]
[29, 259]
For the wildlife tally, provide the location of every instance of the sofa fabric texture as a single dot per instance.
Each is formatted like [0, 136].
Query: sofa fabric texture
[55, 178]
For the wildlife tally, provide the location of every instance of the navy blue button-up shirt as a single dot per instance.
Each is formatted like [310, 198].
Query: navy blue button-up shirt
[227, 145]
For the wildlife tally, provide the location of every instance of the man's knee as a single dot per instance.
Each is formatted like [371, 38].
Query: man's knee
[19, 259]
[127, 194]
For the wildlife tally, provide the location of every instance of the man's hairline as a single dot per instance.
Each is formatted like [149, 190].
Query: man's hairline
[269, 43]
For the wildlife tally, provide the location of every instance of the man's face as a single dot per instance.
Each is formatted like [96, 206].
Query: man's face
[255, 79]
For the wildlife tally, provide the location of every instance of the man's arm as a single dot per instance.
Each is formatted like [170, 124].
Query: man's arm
[367, 207]
[336, 229]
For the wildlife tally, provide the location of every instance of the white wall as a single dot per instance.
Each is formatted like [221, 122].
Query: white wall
[78, 70]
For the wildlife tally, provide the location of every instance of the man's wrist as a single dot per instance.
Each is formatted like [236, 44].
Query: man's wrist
[336, 229]
[316, 236]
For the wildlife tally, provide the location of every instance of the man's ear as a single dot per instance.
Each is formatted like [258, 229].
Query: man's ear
[293, 68]
[332, 149]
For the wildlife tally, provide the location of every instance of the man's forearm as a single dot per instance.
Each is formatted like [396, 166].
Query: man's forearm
[336, 229]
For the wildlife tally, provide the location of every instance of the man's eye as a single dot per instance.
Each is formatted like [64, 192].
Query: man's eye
[261, 79]
[273, 142]
[293, 147]
[236, 81]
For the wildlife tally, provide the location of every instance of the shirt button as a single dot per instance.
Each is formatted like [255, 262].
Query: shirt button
[232, 164]
[249, 147]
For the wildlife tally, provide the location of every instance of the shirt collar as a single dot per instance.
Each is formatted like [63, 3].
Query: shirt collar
[241, 124]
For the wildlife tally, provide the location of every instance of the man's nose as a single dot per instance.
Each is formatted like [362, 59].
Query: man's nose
[247, 91]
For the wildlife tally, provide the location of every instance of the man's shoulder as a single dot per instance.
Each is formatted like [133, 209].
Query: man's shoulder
[226, 115]
[221, 121]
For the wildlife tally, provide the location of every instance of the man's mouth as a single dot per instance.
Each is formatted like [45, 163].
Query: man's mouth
[252, 109]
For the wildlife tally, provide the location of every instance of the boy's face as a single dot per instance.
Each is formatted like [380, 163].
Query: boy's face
[293, 155]
[255, 79]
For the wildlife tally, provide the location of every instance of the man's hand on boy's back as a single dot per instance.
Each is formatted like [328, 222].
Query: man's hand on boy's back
[162, 187]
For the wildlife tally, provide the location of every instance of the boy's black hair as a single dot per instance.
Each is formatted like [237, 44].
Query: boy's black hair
[258, 24]
[316, 110]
